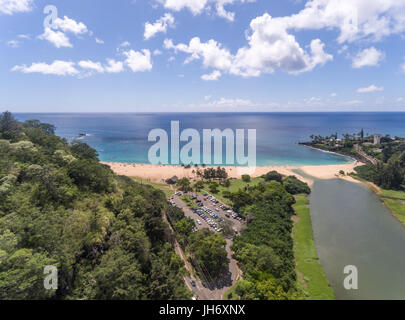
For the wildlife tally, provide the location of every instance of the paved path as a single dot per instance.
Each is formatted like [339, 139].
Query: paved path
[205, 290]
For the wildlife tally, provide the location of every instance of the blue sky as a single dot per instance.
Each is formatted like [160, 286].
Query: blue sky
[202, 55]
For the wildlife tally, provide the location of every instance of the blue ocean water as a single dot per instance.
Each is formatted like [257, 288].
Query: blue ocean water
[123, 137]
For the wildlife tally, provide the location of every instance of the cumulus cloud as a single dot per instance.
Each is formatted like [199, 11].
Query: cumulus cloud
[161, 25]
[268, 50]
[355, 19]
[56, 34]
[92, 66]
[99, 41]
[57, 38]
[15, 6]
[368, 58]
[272, 46]
[58, 68]
[199, 6]
[215, 75]
[372, 88]
[69, 25]
[114, 66]
[138, 61]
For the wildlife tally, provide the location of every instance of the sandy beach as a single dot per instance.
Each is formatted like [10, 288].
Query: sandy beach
[159, 173]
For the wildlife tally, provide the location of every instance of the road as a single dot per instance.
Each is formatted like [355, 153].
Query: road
[365, 155]
[205, 290]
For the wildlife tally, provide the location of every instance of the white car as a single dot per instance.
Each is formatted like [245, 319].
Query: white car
[199, 222]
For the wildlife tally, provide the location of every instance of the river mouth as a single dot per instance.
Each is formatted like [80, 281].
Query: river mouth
[352, 227]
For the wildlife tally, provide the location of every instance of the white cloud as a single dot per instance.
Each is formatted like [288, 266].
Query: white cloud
[215, 75]
[125, 44]
[13, 43]
[333, 94]
[312, 100]
[157, 52]
[161, 25]
[355, 19]
[228, 103]
[352, 102]
[99, 41]
[114, 66]
[92, 66]
[271, 46]
[58, 67]
[69, 25]
[56, 34]
[372, 88]
[368, 58]
[15, 6]
[138, 61]
[111, 67]
[268, 50]
[198, 6]
[57, 38]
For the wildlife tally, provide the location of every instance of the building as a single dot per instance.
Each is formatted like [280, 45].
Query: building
[172, 180]
[377, 139]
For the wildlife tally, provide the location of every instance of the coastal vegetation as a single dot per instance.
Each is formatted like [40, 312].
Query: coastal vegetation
[384, 158]
[59, 206]
[205, 249]
[264, 250]
[311, 277]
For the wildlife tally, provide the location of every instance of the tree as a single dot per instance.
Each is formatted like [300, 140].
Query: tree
[273, 176]
[246, 178]
[9, 127]
[295, 186]
[198, 186]
[214, 187]
[184, 185]
[22, 275]
[208, 249]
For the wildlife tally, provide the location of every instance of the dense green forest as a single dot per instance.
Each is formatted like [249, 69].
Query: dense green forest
[59, 206]
[389, 173]
[264, 250]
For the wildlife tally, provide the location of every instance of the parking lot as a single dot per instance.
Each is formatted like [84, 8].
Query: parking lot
[208, 212]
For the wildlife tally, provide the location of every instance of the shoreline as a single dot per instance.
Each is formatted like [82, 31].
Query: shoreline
[160, 173]
[331, 152]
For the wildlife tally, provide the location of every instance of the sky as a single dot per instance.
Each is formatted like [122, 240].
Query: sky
[202, 55]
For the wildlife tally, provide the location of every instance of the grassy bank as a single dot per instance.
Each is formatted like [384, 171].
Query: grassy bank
[235, 185]
[395, 202]
[311, 276]
[168, 191]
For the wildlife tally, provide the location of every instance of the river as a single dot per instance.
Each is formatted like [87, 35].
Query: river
[352, 227]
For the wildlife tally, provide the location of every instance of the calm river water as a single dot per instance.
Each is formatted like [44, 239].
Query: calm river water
[352, 227]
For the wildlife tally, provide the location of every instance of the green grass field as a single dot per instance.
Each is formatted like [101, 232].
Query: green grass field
[236, 184]
[395, 202]
[393, 194]
[161, 186]
[311, 277]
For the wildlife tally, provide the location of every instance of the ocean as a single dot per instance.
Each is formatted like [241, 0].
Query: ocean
[123, 137]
